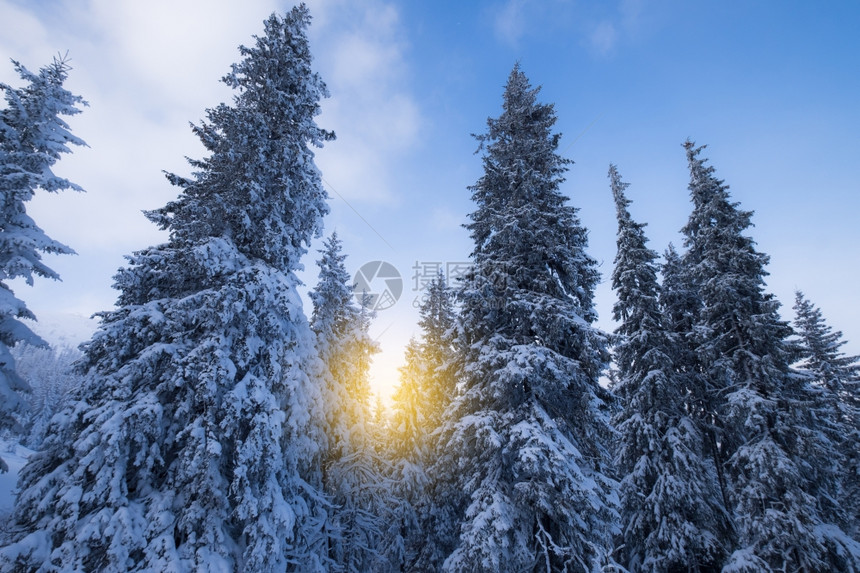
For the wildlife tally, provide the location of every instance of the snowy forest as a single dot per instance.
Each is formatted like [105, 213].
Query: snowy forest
[210, 424]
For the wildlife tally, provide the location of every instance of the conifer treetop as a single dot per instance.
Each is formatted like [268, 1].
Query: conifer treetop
[281, 197]
[821, 347]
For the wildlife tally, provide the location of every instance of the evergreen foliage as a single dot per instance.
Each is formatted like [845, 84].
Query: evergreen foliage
[524, 472]
[427, 383]
[33, 137]
[350, 470]
[210, 426]
[680, 303]
[836, 380]
[187, 447]
[672, 517]
[755, 403]
[50, 375]
[427, 386]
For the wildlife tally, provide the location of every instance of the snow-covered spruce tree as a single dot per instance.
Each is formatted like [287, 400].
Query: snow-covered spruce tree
[522, 472]
[680, 303]
[426, 380]
[409, 439]
[757, 403]
[407, 450]
[836, 379]
[672, 517]
[437, 321]
[33, 136]
[187, 446]
[425, 390]
[350, 471]
[50, 374]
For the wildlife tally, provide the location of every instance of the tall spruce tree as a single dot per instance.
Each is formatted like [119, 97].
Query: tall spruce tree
[681, 305]
[350, 472]
[187, 446]
[679, 300]
[836, 380]
[33, 137]
[757, 405]
[408, 451]
[672, 516]
[437, 322]
[524, 467]
[427, 382]
[425, 390]
[409, 440]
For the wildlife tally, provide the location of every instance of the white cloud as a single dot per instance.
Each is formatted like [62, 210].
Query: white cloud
[148, 69]
[173, 52]
[509, 23]
[603, 38]
[23, 35]
[360, 50]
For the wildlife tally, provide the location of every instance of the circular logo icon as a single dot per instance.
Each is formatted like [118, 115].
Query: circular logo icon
[377, 285]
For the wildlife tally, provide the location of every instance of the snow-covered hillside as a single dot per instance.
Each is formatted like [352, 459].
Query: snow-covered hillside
[63, 329]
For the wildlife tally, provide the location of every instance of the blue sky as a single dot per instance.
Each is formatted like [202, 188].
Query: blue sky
[772, 88]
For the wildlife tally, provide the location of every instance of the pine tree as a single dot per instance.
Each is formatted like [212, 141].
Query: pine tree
[437, 322]
[836, 379]
[50, 374]
[523, 476]
[33, 137]
[425, 390]
[754, 401]
[409, 453]
[342, 345]
[426, 380]
[672, 518]
[350, 472]
[820, 352]
[681, 304]
[409, 437]
[187, 447]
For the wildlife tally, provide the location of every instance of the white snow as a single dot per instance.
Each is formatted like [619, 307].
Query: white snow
[15, 455]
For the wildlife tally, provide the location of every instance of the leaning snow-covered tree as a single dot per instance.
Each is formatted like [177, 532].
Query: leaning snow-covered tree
[672, 513]
[759, 407]
[187, 445]
[33, 136]
[524, 469]
[349, 468]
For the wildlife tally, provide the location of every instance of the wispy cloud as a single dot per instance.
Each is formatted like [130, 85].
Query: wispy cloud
[148, 69]
[23, 34]
[361, 51]
[510, 21]
[599, 27]
[603, 38]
